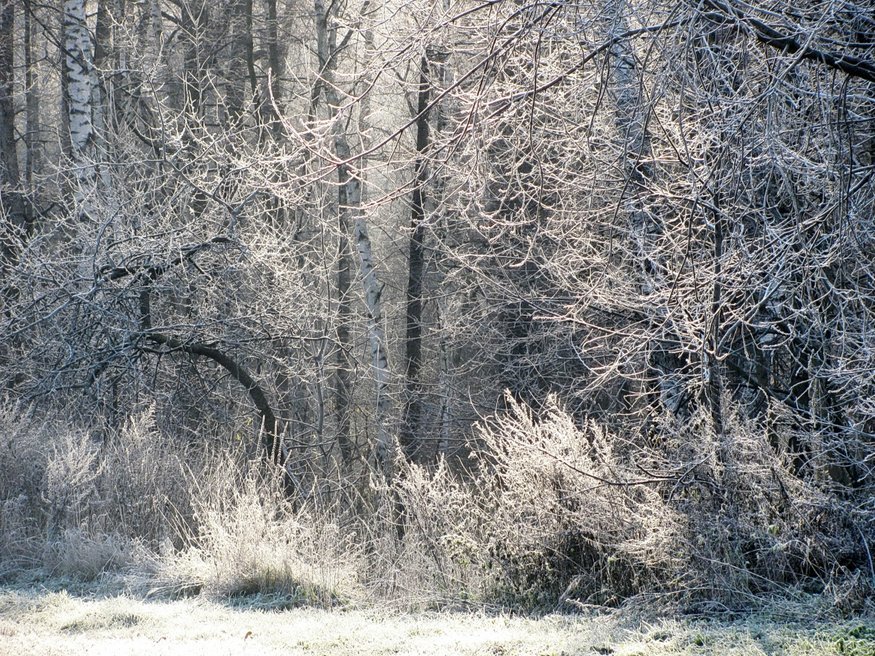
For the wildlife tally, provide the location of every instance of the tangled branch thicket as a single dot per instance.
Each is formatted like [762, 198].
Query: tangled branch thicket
[544, 304]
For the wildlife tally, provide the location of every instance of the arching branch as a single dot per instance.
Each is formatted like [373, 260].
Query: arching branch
[270, 423]
[146, 275]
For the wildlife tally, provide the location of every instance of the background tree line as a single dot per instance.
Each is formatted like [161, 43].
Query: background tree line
[634, 238]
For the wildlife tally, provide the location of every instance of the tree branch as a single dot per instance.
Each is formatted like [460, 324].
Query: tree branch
[765, 33]
[146, 275]
[238, 373]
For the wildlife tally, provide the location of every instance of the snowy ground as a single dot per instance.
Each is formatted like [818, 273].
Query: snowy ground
[46, 623]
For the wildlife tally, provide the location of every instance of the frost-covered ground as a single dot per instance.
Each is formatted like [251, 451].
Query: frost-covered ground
[45, 623]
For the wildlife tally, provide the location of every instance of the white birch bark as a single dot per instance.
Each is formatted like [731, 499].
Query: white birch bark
[79, 60]
[386, 446]
[349, 177]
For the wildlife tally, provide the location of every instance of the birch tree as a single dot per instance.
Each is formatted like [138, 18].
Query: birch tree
[80, 84]
[352, 220]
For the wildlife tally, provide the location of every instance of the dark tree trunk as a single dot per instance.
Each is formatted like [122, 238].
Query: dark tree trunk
[274, 62]
[343, 373]
[410, 441]
[12, 206]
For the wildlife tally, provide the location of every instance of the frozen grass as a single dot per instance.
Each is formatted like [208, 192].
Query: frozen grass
[51, 623]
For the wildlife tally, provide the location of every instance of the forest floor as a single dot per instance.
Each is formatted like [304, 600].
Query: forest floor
[45, 622]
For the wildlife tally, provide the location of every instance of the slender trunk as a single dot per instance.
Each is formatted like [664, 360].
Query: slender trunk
[193, 23]
[444, 385]
[442, 76]
[343, 373]
[631, 120]
[712, 365]
[31, 103]
[240, 61]
[8, 156]
[350, 211]
[11, 200]
[107, 68]
[325, 44]
[249, 48]
[155, 23]
[410, 426]
[80, 82]
[386, 446]
[274, 62]
[102, 49]
[269, 103]
[79, 57]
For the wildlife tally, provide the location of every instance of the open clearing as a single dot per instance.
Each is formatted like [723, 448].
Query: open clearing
[47, 623]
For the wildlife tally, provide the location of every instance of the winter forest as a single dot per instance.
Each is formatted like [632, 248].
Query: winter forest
[538, 304]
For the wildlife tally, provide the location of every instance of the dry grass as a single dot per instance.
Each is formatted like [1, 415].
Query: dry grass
[46, 624]
[173, 519]
[530, 525]
[251, 540]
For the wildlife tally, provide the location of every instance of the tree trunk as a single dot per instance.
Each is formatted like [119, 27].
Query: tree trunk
[343, 373]
[240, 61]
[410, 426]
[102, 63]
[275, 70]
[32, 106]
[11, 201]
[325, 45]
[350, 211]
[714, 383]
[193, 22]
[80, 83]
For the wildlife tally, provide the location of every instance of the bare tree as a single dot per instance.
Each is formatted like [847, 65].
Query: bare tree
[655, 216]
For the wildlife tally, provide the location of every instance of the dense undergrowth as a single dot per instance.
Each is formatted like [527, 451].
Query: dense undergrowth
[540, 514]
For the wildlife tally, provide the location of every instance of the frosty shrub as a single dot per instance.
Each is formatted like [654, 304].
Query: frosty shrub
[440, 558]
[22, 465]
[143, 482]
[557, 514]
[573, 515]
[250, 539]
